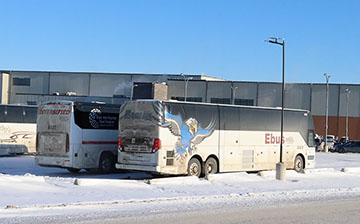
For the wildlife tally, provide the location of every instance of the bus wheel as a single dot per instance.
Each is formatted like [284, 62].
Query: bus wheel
[194, 167]
[73, 170]
[299, 164]
[210, 166]
[106, 163]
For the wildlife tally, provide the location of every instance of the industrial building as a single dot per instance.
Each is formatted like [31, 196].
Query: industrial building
[33, 87]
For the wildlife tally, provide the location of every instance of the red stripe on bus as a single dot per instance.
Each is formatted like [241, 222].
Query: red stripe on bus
[99, 143]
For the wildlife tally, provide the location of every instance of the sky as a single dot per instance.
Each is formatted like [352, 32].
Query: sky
[223, 39]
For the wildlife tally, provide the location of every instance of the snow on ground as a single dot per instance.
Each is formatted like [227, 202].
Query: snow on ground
[27, 187]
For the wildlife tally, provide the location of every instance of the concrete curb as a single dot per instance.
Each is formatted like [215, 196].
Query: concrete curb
[351, 170]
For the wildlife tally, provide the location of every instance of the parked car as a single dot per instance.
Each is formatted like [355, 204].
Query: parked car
[330, 139]
[343, 140]
[350, 146]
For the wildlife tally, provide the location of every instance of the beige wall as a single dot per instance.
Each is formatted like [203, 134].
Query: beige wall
[5, 78]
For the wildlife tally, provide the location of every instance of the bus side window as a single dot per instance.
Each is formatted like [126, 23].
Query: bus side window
[311, 139]
[30, 114]
[14, 114]
[2, 113]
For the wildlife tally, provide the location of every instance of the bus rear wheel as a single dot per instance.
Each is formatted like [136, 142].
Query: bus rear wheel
[299, 164]
[106, 163]
[211, 166]
[194, 167]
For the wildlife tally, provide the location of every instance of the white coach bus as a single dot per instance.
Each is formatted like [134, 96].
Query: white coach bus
[170, 137]
[17, 129]
[77, 135]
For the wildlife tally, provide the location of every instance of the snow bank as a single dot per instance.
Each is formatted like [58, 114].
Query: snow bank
[24, 185]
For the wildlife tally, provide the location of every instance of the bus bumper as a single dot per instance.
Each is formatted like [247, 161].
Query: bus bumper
[138, 167]
[51, 161]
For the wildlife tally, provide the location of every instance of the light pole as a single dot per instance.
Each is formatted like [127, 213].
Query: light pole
[326, 111]
[280, 167]
[186, 80]
[132, 91]
[233, 89]
[347, 114]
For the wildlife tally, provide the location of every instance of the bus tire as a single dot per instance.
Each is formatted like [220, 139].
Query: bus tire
[299, 164]
[106, 163]
[211, 166]
[194, 167]
[73, 170]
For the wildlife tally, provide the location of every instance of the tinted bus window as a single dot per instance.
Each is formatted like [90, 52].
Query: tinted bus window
[2, 113]
[30, 114]
[14, 114]
[230, 118]
[96, 117]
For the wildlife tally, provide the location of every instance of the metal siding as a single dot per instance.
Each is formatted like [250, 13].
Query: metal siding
[109, 85]
[176, 88]
[269, 94]
[195, 89]
[149, 78]
[246, 91]
[354, 101]
[297, 96]
[218, 90]
[69, 82]
[318, 100]
[38, 83]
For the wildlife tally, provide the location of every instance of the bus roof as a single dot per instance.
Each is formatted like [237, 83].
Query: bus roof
[68, 102]
[222, 105]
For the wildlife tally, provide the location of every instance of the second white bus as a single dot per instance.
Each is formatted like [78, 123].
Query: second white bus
[17, 129]
[77, 135]
[170, 137]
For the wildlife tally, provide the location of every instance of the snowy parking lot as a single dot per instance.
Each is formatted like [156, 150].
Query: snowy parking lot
[26, 189]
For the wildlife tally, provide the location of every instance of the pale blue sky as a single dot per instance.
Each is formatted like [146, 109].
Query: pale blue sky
[224, 38]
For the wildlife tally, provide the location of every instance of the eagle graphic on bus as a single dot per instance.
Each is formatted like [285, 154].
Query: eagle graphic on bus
[190, 133]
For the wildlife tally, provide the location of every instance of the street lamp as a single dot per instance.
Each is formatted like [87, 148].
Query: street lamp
[326, 111]
[347, 114]
[186, 80]
[280, 167]
[132, 91]
[233, 89]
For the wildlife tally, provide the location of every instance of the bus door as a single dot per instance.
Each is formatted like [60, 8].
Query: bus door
[230, 139]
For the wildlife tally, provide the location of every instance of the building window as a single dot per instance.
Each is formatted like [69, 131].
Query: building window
[31, 103]
[220, 100]
[21, 81]
[246, 102]
[188, 99]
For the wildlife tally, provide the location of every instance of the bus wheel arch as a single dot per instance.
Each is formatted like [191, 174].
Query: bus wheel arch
[211, 165]
[195, 166]
[106, 162]
[299, 163]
